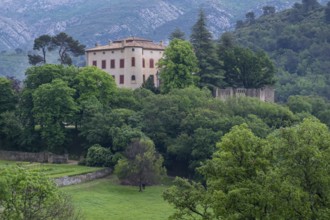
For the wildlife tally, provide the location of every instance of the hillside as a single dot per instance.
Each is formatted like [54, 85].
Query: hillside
[102, 20]
[299, 43]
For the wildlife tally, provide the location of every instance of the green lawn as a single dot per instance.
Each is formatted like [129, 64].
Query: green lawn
[53, 170]
[105, 199]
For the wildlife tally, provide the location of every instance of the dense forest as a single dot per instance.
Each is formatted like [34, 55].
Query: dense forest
[297, 40]
[66, 109]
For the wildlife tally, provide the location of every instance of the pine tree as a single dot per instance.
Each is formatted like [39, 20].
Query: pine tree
[201, 38]
[178, 34]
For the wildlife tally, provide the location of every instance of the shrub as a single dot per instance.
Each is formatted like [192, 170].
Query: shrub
[98, 156]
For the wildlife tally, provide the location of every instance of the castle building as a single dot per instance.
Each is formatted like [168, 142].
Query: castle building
[130, 61]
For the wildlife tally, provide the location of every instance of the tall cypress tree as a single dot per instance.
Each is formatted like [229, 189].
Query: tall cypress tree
[201, 38]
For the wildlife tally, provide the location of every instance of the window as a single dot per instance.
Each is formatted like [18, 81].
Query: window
[112, 64]
[121, 79]
[133, 61]
[104, 64]
[151, 63]
[144, 78]
[94, 63]
[122, 63]
[94, 53]
[133, 78]
[103, 52]
[114, 77]
[133, 49]
[143, 63]
[112, 51]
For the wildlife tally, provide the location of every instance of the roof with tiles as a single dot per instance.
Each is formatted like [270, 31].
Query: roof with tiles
[129, 42]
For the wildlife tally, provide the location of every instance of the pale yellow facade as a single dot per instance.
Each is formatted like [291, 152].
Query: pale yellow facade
[130, 61]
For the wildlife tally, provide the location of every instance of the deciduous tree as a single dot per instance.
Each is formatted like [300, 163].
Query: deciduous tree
[91, 81]
[177, 66]
[8, 98]
[141, 166]
[26, 194]
[244, 68]
[53, 106]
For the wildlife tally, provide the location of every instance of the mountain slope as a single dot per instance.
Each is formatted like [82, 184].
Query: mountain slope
[21, 21]
[299, 43]
[99, 20]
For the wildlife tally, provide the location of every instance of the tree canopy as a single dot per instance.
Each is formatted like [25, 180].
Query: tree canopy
[177, 66]
[27, 194]
[247, 69]
[285, 175]
[64, 43]
[201, 38]
[141, 164]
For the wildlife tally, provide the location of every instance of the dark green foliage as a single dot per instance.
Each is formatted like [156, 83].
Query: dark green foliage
[8, 98]
[284, 176]
[177, 34]
[314, 105]
[141, 164]
[65, 44]
[298, 41]
[11, 131]
[150, 85]
[268, 10]
[53, 113]
[98, 156]
[67, 47]
[244, 68]
[309, 5]
[43, 44]
[201, 38]
[250, 17]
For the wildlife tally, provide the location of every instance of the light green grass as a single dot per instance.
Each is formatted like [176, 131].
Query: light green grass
[105, 199]
[53, 170]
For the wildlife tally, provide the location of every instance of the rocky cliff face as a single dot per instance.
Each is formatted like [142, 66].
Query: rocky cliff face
[99, 20]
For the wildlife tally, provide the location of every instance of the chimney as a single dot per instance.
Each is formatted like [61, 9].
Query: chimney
[123, 43]
[97, 44]
[110, 42]
[161, 43]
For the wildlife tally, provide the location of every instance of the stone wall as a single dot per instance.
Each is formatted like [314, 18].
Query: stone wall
[42, 157]
[72, 180]
[266, 94]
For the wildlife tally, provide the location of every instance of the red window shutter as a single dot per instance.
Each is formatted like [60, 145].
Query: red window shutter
[151, 63]
[133, 61]
[121, 79]
[112, 64]
[122, 63]
[104, 64]
[143, 63]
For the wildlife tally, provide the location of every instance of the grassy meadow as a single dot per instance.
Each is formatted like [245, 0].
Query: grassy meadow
[105, 199]
[52, 170]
